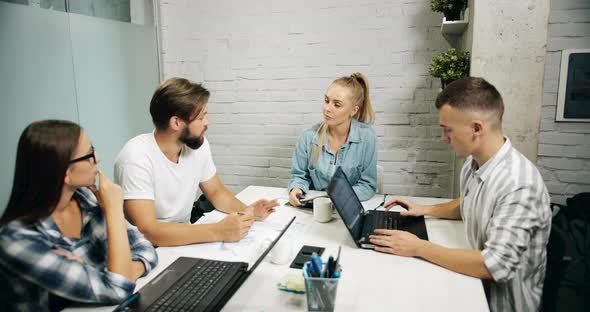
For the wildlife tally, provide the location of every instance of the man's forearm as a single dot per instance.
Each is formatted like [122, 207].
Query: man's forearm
[448, 210]
[466, 261]
[226, 201]
[177, 234]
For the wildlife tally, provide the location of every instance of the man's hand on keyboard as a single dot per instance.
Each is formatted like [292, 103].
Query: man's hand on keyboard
[396, 242]
[235, 226]
[413, 209]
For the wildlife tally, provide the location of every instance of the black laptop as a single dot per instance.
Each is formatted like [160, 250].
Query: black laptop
[361, 224]
[194, 284]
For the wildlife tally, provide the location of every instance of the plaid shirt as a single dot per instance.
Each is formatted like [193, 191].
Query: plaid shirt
[505, 207]
[38, 279]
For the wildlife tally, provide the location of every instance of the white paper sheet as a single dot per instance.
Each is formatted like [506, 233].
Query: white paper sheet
[248, 249]
[375, 203]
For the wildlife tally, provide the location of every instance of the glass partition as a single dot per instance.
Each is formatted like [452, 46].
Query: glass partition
[95, 71]
[116, 71]
[36, 77]
[128, 11]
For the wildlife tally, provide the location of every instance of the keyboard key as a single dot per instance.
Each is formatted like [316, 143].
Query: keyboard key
[188, 295]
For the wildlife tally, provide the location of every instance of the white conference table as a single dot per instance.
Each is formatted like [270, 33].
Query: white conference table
[370, 281]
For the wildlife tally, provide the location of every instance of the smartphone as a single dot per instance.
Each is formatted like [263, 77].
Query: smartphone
[304, 255]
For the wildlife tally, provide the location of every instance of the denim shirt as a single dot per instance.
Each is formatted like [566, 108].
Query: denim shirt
[357, 157]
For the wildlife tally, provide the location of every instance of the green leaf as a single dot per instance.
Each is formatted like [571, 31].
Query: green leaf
[448, 5]
[450, 65]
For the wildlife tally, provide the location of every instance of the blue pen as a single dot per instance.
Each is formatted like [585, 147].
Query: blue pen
[123, 306]
[306, 270]
[316, 265]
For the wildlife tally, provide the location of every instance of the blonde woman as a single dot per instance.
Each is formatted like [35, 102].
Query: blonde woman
[343, 139]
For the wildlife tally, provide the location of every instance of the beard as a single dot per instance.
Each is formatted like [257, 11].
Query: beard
[193, 142]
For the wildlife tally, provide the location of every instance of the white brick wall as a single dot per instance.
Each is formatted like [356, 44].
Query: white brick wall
[268, 63]
[564, 148]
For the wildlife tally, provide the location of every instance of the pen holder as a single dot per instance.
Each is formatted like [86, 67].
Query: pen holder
[321, 293]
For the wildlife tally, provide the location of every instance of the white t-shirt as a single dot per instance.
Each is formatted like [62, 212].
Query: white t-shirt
[144, 172]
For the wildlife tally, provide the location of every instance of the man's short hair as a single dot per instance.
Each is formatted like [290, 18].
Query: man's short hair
[177, 97]
[474, 94]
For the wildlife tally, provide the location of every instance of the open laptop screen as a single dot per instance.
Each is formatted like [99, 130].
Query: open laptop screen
[347, 203]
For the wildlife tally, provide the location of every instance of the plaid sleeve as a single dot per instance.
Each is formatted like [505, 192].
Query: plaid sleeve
[515, 220]
[141, 249]
[35, 261]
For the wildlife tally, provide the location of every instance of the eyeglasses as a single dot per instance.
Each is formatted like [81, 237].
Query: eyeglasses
[91, 155]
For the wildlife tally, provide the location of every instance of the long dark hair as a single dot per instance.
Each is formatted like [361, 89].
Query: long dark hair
[42, 159]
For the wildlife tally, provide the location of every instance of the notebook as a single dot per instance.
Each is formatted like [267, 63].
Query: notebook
[195, 284]
[361, 224]
[311, 195]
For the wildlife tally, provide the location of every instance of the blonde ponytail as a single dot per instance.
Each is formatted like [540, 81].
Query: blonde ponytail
[359, 86]
[365, 113]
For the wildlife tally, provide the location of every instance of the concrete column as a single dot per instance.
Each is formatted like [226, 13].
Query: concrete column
[508, 49]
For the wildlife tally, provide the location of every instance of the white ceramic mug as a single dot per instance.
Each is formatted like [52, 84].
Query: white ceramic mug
[282, 252]
[322, 209]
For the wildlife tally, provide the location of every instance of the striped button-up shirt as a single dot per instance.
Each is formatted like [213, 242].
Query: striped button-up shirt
[505, 207]
[36, 278]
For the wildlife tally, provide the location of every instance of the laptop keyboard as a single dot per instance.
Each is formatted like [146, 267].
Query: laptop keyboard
[383, 220]
[187, 295]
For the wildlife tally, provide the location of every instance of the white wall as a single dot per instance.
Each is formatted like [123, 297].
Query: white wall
[268, 64]
[564, 147]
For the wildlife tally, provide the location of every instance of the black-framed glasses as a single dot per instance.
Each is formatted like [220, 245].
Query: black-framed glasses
[91, 155]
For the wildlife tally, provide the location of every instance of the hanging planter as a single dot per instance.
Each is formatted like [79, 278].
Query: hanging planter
[450, 8]
[450, 66]
[452, 15]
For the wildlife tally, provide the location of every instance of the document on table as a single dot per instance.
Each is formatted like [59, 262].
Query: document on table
[311, 195]
[375, 202]
[248, 249]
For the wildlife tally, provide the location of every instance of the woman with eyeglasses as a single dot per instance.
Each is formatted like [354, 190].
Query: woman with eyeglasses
[62, 239]
[343, 139]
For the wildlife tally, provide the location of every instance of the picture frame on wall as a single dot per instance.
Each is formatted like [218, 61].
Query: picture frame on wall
[573, 97]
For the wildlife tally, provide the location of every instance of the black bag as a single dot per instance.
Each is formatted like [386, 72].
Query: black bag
[567, 279]
[200, 207]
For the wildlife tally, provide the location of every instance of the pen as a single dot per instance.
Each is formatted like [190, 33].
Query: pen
[316, 265]
[330, 268]
[336, 272]
[382, 203]
[123, 306]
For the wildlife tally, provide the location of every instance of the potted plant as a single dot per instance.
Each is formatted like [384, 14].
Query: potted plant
[450, 66]
[450, 8]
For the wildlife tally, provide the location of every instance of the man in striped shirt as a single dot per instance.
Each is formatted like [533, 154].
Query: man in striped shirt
[504, 203]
